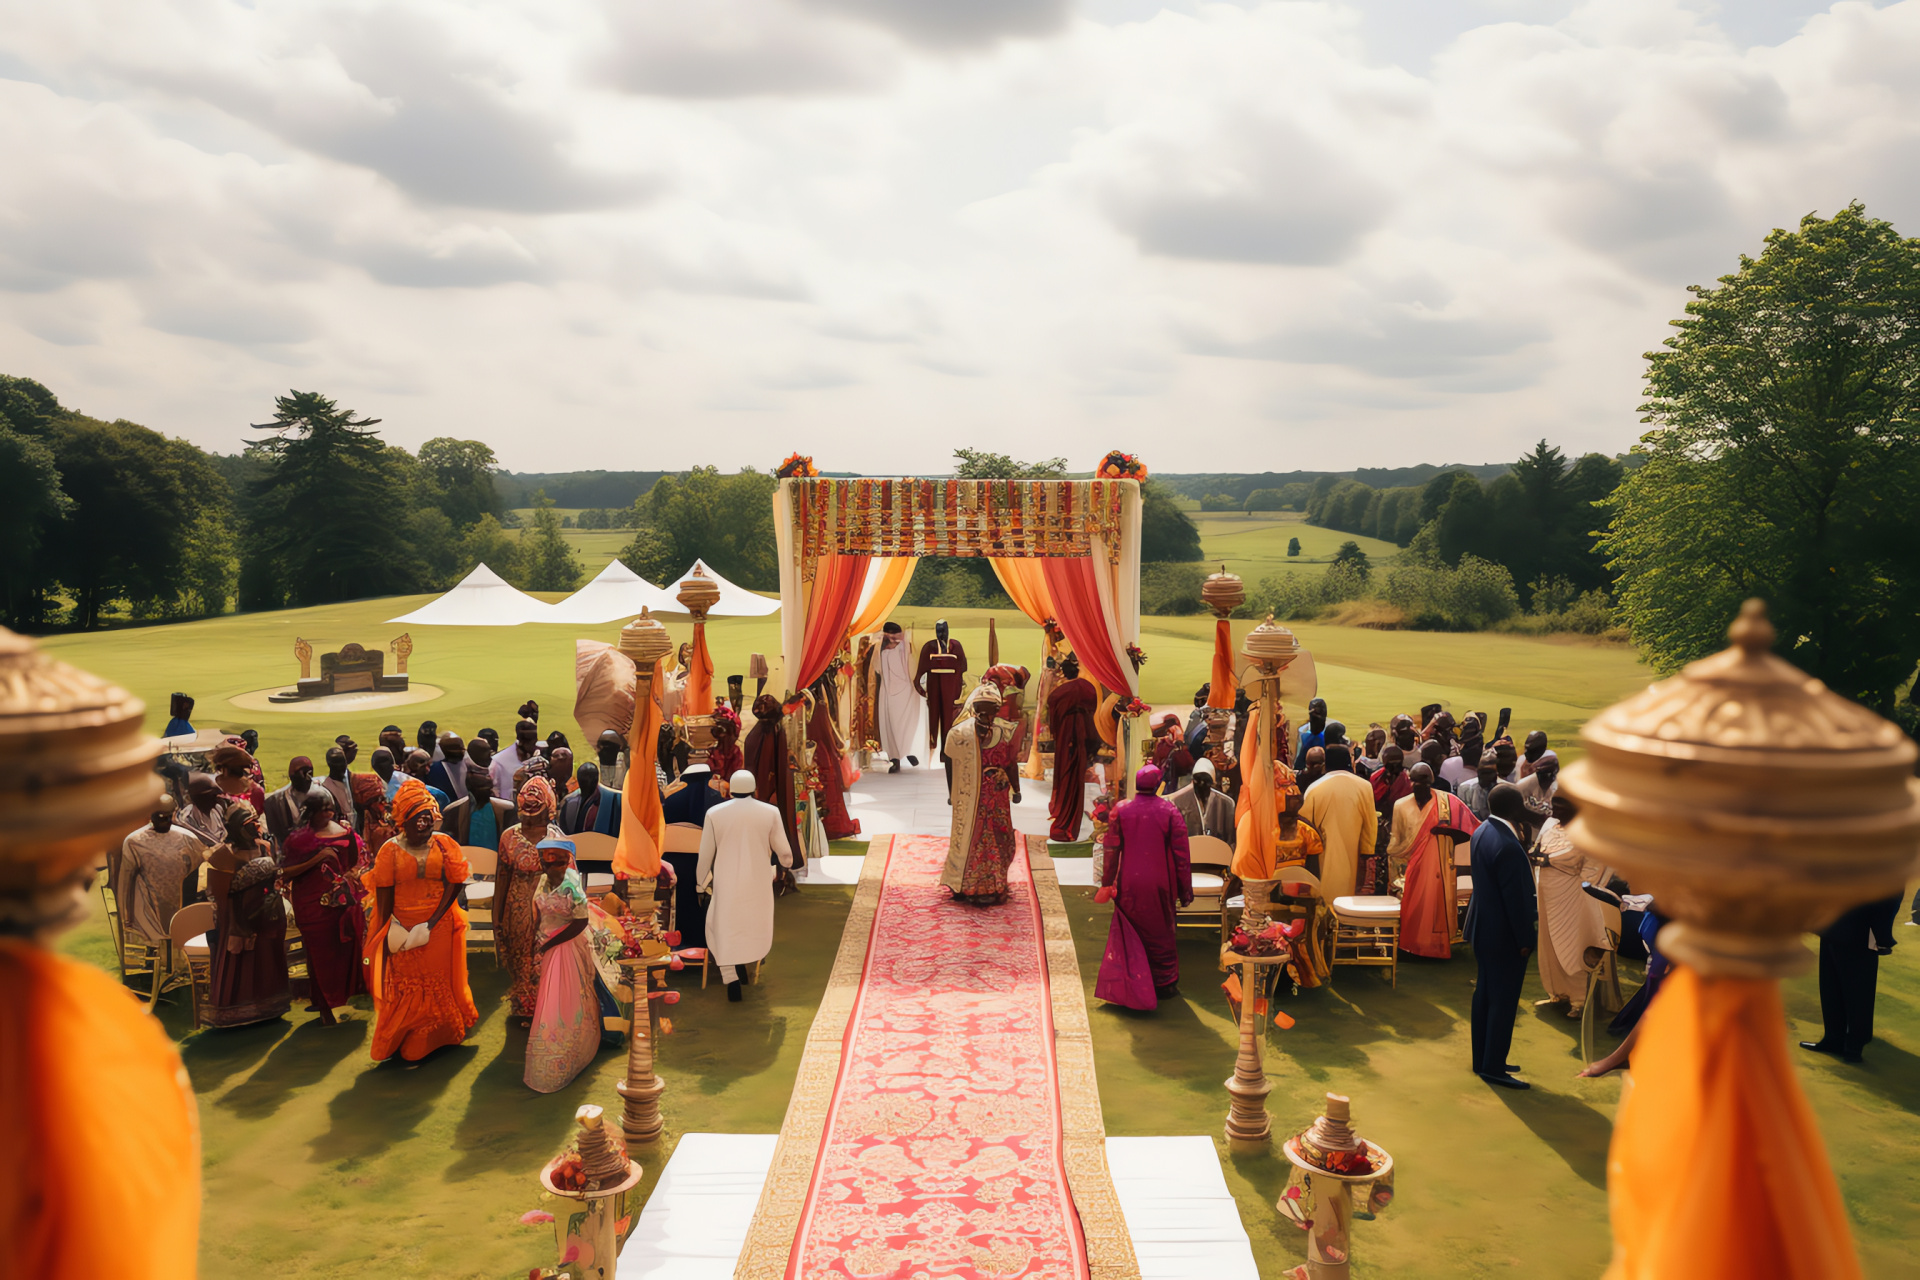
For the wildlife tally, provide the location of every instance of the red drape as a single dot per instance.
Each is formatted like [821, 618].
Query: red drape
[837, 583]
[1076, 607]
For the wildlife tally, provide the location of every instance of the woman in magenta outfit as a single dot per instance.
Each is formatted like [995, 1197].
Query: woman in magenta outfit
[319, 866]
[1145, 873]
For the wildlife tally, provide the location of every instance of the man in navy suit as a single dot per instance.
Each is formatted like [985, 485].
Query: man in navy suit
[1501, 928]
[591, 808]
[688, 801]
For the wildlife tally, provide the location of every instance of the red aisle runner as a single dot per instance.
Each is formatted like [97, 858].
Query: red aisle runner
[941, 1155]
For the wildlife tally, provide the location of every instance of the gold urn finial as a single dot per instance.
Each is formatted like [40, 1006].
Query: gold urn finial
[1684, 789]
[698, 593]
[76, 767]
[1270, 646]
[645, 641]
[1223, 592]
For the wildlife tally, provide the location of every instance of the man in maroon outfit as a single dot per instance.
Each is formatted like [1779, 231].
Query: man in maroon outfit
[940, 676]
[1070, 709]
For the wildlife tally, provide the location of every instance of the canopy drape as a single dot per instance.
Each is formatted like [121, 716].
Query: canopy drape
[837, 584]
[1026, 583]
[886, 581]
[1083, 606]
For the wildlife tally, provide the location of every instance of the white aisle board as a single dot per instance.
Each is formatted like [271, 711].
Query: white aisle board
[1183, 1220]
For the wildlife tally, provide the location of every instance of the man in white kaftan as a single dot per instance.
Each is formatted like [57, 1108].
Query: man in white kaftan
[899, 708]
[150, 883]
[736, 869]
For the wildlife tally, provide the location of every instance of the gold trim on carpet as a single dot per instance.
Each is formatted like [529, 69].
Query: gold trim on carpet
[1083, 1127]
[776, 1219]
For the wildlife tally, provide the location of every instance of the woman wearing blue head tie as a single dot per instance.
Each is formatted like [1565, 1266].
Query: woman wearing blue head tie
[571, 998]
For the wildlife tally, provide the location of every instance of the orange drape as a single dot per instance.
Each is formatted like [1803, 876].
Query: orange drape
[103, 1173]
[1717, 1170]
[895, 573]
[697, 698]
[837, 581]
[1026, 584]
[643, 828]
[1257, 813]
[1221, 690]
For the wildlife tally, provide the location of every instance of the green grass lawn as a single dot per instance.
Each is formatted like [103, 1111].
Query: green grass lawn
[486, 672]
[1487, 1182]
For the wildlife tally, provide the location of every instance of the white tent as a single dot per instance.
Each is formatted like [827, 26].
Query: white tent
[735, 602]
[618, 592]
[483, 599]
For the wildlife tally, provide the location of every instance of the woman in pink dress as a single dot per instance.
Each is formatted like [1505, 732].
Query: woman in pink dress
[567, 1025]
[319, 866]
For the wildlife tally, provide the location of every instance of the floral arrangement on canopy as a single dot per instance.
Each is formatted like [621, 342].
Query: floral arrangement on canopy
[1132, 708]
[1137, 656]
[1121, 466]
[796, 465]
[1054, 634]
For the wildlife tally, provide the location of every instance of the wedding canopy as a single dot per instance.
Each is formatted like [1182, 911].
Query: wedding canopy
[618, 592]
[735, 601]
[483, 599]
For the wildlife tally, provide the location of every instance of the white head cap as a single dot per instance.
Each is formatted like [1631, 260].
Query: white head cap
[1204, 766]
[741, 783]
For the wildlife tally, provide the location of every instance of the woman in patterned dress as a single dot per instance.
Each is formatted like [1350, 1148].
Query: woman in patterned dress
[515, 921]
[986, 785]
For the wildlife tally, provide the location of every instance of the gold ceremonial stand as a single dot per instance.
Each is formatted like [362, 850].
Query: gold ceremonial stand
[1327, 1203]
[1249, 1127]
[593, 1230]
[697, 594]
[641, 1090]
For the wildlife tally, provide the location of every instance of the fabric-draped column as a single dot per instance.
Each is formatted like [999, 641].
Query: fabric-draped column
[643, 827]
[697, 698]
[1221, 684]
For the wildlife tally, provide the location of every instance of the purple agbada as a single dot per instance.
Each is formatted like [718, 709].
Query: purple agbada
[1148, 870]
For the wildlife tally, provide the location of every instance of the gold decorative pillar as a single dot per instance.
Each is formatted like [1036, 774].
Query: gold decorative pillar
[640, 1092]
[303, 653]
[588, 1238]
[402, 647]
[644, 641]
[1249, 1127]
[698, 594]
[1223, 592]
[1755, 805]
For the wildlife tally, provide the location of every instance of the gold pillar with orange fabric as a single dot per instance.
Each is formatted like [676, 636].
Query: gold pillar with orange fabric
[643, 827]
[1717, 1169]
[1223, 592]
[102, 1175]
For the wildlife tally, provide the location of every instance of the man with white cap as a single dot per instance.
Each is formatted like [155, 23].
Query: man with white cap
[1205, 807]
[736, 847]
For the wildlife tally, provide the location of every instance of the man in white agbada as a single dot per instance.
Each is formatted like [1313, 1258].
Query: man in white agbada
[899, 706]
[735, 869]
[1573, 930]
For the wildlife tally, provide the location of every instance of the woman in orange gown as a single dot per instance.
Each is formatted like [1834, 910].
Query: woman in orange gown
[417, 946]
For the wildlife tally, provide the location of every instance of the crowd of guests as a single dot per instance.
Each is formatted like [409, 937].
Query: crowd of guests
[371, 870]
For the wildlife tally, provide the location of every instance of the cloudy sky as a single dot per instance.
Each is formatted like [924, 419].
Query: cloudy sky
[652, 233]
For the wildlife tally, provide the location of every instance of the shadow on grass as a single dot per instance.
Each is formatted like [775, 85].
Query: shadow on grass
[387, 1104]
[215, 1054]
[507, 1125]
[1577, 1133]
[301, 1060]
[1887, 1070]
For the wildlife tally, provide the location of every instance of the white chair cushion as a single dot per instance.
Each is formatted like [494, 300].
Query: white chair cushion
[1463, 886]
[479, 891]
[1368, 907]
[599, 880]
[196, 946]
[1207, 882]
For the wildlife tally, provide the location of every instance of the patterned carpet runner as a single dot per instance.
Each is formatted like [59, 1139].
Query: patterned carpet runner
[942, 1150]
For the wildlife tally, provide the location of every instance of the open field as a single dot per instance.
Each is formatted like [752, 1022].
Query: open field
[485, 672]
[1254, 544]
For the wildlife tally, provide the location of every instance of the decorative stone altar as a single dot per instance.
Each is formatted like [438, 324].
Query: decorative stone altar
[353, 669]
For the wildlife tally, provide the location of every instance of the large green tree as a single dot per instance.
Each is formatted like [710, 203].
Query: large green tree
[726, 520]
[1785, 461]
[547, 558]
[460, 473]
[148, 525]
[326, 520]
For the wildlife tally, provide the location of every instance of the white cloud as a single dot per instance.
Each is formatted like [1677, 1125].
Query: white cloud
[878, 229]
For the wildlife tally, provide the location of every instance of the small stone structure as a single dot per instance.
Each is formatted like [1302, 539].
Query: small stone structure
[353, 669]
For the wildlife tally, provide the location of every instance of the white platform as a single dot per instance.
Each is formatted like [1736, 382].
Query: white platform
[1183, 1220]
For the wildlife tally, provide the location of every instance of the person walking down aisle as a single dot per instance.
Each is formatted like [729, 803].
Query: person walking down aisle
[417, 946]
[1146, 872]
[1501, 930]
[986, 784]
[736, 846]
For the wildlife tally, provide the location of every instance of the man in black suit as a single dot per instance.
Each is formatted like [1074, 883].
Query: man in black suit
[1850, 951]
[1501, 927]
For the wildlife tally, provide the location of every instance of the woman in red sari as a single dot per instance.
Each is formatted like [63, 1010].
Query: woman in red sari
[829, 757]
[516, 925]
[319, 866]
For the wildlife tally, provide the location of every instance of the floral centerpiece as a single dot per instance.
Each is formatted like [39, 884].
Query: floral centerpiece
[1132, 708]
[796, 466]
[1121, 466]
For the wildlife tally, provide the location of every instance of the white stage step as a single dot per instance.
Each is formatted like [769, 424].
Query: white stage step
[1183, 1220]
